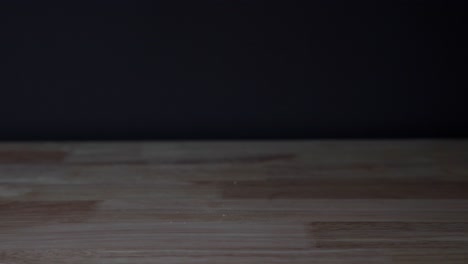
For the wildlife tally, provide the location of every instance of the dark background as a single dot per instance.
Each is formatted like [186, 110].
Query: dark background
[229, 69]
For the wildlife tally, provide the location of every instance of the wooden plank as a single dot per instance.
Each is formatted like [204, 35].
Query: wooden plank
[389, 234]
[330, 202]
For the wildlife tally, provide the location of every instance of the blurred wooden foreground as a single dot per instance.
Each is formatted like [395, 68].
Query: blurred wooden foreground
[234, 202]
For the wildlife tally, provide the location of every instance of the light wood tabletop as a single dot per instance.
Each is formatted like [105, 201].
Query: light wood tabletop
[328, 201]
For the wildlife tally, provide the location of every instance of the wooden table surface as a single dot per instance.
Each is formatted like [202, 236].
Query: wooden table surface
[234, 202]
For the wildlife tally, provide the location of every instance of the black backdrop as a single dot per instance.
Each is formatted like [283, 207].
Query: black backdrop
[232, 69]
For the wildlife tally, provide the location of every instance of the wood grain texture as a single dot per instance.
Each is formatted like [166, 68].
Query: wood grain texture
[388, 202]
